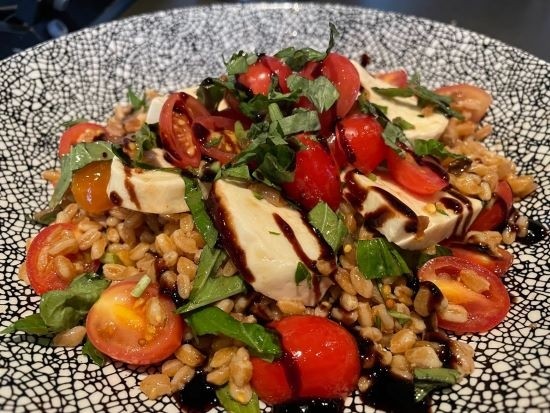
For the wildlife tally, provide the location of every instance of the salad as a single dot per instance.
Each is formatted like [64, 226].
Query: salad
[291, 232]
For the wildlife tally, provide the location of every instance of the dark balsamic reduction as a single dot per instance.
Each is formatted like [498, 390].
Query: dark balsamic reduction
[130, 187]
[198, 396]
[365, 60]
[288, 233]
[436, 296]
[115, 198]
[346, 145]
[412, 225]
[433, 164]
[535, 233]
[310, 406]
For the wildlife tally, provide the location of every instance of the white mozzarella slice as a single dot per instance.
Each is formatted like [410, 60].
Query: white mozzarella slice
[428, 127]
[400, 215]
[263, 252]
[152, 191]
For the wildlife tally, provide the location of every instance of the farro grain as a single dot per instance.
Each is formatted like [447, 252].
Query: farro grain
[291, 307]
[473, 281]
[138, 252]
[423, 357]
[156, 315]
[241, 394]
[189, 355]
[64, 267]
[87, 239]
[463, 357]
[98, 248]
[400, 367]
[184, 285]
[171, 367]
[181, 378]
[219, 376]
[360, 284]
[402, 341]
[114, 272]
[226, 305]
[222, 357]
[155, 386]
[342, 278]
[454, 313]
[22, 273]
[240, 368]
[364, 314]
[69, 338]
[348, 302]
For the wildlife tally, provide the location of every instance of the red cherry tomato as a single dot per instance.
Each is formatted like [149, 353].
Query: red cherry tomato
[280, 68]
[497, 262]
[311, 70]
[321, 360]
[41, 264]
[257, 78]
[176, 117]
[468, 98]
[236, 115]
[396, 78]
[485, 309]
[343, 75]
[216, 137]
[316, 177]
[118, 325]
[336, 151]
[81, 132]
[327, 118]
[412, 176]
[360, 137]
[492, 217]
[89, 187]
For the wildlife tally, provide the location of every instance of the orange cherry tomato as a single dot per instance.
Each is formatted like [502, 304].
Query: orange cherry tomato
[321, 360]
[468, 98]
[396, 78]
[89, 187]
[118, 325]
[486, 309]
[41, 266]
[81, 132]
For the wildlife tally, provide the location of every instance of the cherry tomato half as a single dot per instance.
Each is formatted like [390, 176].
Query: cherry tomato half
[216, 137]
[485, 309]
[257, 78]
[118, 325]
[396, 78]
[412, 176]
[498, 262]
[321, 360]
[81, 132]
[41, 264]
[176, 117]
[468, 98]
[327, 119]
[89, 187]
[316, 177]
[360, 137]
[280, 68]
[343, 75]
[494, 216]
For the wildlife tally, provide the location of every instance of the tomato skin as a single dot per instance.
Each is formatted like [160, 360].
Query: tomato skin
[311, 70]
[89, 187]
[396, 78]
[485, 310]
[412, 176]
[493, 217]
[257, 78]
[316, 177]
[41, 269]
[176, 117]
[280, 68]
[343, 75]
[81, 132]
[498, 263]
[322, 356]
[360, 138]
[327, 119]
[336, 151]
[468, 98]
[117, 325]
[204, 126]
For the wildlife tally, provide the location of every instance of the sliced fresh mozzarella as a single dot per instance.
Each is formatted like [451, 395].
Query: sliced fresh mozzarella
[267, 242]
[425, 127]
[152, 191]
[410, 221]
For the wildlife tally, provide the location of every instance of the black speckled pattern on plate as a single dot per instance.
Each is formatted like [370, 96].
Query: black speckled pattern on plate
[86, 73]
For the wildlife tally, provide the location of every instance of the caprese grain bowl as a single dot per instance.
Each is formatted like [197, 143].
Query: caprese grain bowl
[292, 232]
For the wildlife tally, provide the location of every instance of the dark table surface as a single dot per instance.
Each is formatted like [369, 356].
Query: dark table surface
[524, 24]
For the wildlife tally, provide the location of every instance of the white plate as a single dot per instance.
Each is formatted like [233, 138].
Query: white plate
[85, 73]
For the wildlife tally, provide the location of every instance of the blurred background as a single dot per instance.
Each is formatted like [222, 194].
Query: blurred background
[524, 24]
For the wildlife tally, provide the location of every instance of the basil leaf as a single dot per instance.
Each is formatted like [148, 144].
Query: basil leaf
[428, 380]
[299, 121]
[377, 258]
[134, 100]
[47, 215]
[329, 224]
[393, 137]
[67, 124]
[260, 341]
[258, 106]
[394, 92]
[274, 168]
[96, 356]
[215, 289]
[402, 318]
[209, 262]
[302, 273]
[80, 155]
[239, 62]
[233, 406]
[321, 92]
[402, 123]
[145, 140]
[211, 93]
[434, 148]
[274, 111]
[428, 97]
[65, 309]
[32, 324]
[203, 222]
[240, 173]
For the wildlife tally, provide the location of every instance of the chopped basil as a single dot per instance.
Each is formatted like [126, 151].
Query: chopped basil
[110, 258]
[260, 341]
[233, 406]
[274, 233]
[329, 224]
[215, 141]
[275, 113]
[136, 102]
[215, 289]
[239, 62]
[141, 286]
[93, 353]
[402, 123]
[210, 260]
[299, 121]
[402, 318]
[393, 136]
[377, 258]
[32, 324]
[80, 155]
[441, 211]
[67, 124]
[302, 273]
[434, 148]
[203, 222]
[210, 93]
[145, 140]
[240, 134]
[427, 380]
[47, 215]
[239, 172]
[394, 92]
[258, 106]
[321, 92]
